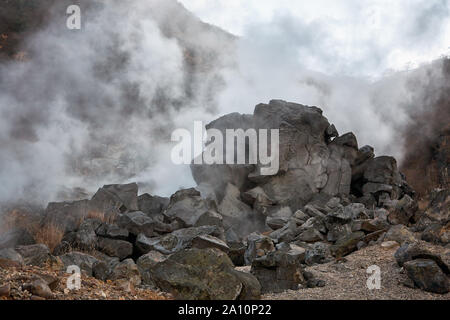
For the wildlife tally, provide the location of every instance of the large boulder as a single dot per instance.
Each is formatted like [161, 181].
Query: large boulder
[82, 260]
[152, 205]
[116, 197]
[136, 223]
[309, 162]
[203, 274]
[278, 271]
[187, 206]
[115, 248]
[427, 275]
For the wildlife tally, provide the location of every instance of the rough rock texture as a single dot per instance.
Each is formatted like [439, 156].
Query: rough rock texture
[203, 274]
[278, 271]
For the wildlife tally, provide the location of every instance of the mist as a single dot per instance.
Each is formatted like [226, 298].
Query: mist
[97, 106]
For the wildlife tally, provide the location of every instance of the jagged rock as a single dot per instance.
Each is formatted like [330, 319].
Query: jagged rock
[309, 163]
[346, 244]
[400, 234]
[278, 271]
[12, 255]
[35, 254]
[115, 248]
[402, 210]
[122, 198]
[276, 223]
[86, 238]
[300, 215]
[84, 261]
[370, 225]
[383, 171]
[338, 231]
[187, 206]
[203, 274]
[313, 212]
[126, 269]
[287, 233]
[423, 250]
[146, 263]
[66, 215]
[427, 275]
[437, 233]
[137, 222]
[257, 246]
[237, 214]
[318, 253]
[439, 207]
[208, 241]
[315, 223]
[152, 205]
[112, 231]
[173, 242]
[310, 235]
[258, 199]
[210, 218]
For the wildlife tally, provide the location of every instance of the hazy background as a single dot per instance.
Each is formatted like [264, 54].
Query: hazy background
[97, 106]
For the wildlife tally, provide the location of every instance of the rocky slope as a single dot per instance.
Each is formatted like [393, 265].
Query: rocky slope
[330, 199]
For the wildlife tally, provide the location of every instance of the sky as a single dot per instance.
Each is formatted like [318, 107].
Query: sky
[396, 35]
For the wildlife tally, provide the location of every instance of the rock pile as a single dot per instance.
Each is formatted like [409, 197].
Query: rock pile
[328, 199]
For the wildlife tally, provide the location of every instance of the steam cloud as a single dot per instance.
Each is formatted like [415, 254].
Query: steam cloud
[97, 106]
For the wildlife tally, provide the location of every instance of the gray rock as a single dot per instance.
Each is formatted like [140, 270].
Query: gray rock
[402, 211]
[257, 246]
[278, 271]
[276, 223]
[137, 222]
[112, 231]
[210, 218]
[203, 274]
[152, 205]
[237, 214]
[187, 206]
[175, 241]
[423, 250]
[207, 241]
[437, 233]
[310, 235]
[122, 198]
[12, 255]
[35, 254]
[115, 248]
[318, 253]
[400, 234]
[346, 244]
[126, 269]
[287, 233]
[427, 275]
[338, 231]
[146, 263]
[82, 260]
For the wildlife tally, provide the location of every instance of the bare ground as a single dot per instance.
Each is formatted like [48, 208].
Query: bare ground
[346, 280]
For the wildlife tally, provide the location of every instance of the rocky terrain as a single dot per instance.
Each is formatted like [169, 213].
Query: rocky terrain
[310, 231]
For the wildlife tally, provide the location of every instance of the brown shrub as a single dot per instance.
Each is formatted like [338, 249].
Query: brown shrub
[50, 235]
